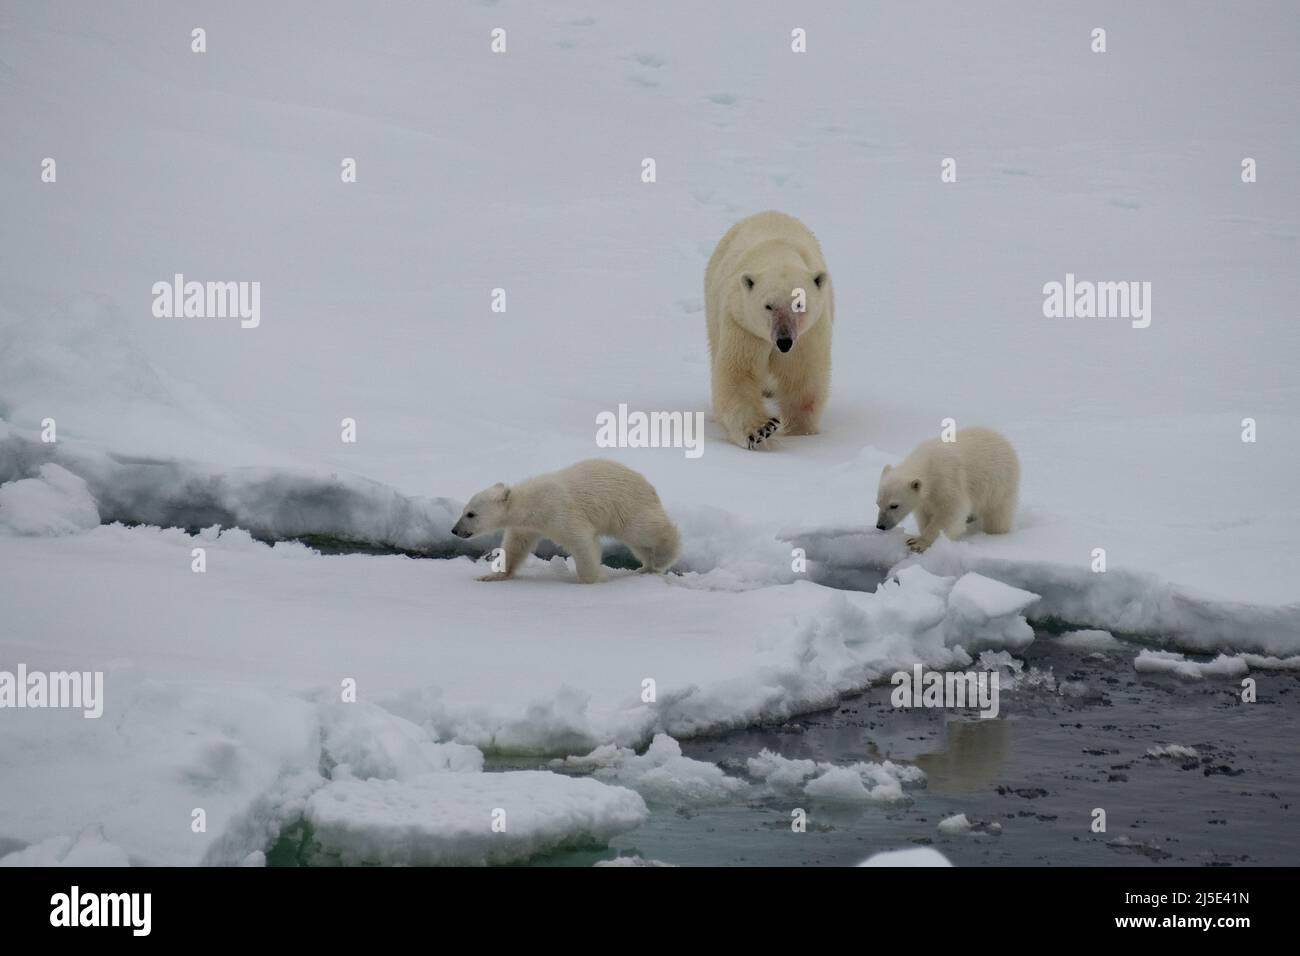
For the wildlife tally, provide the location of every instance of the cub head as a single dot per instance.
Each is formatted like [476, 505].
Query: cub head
[773, 307]
[485, 512]
[896, 497]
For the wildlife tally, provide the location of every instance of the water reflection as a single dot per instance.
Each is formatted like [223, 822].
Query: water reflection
[976, 754]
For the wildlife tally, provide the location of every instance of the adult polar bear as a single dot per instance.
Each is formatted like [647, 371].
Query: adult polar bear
[769, 306]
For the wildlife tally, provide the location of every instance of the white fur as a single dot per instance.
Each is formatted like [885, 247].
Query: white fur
[947, 483]
[573, 507]
[777, 254]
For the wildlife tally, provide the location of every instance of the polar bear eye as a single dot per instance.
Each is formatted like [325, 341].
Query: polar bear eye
[768, 307]
[470, 515]
[891, 508]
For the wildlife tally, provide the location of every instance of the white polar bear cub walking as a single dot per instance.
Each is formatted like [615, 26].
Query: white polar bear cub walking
[573, 507]
[769, 307]
[952, 485]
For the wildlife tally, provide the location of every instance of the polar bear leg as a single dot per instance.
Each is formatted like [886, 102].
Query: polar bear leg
[951, 521]
[516, 546]
[586, 558]
[803, 386]
[739, 376]
[738, 407]
[997, 520]
[655, 547]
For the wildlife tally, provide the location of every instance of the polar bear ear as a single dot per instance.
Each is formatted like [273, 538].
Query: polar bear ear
[747, 279]
[916, 484]
[819, 279]
[500, 492]
[886, 470]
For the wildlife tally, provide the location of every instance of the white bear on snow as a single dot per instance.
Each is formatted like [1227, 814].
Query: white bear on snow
[573, 507]
[769, 307]
[952, 486]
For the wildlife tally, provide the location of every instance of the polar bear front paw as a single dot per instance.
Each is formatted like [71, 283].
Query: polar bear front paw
[495, 576]
[916, 545]
[760, 434]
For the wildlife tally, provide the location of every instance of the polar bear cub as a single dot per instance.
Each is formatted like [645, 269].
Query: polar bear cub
[573, 507]
[951, 486]
[769, 307]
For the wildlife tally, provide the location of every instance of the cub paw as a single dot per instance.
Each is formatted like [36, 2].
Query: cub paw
[761, 433]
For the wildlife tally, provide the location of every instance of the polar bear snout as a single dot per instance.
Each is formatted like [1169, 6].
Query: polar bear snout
[460, 532]
[784, 330]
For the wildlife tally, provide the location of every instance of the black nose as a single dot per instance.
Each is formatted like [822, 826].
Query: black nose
[880, 525]
[784, 344]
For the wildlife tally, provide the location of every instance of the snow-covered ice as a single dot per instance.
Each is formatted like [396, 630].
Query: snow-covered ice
[957, 823]
[1172, 750]
[863, 782]
[661, 774]
[223, 688]
[54, 502]
[915, 856]
[444, 819]
[1171, 662]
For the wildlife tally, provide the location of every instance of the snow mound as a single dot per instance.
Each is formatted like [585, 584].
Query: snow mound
[87, 849]
[447, 819]
[362, 740]
[161, 752]
[661, 775]
[1131, 602]
[1170, 662]
[1267, 663]
[957, 823]
[269, 503]
[55, 502]
[1172, 750]
[960, 825]
[624, 861]
[918, 856]
[858, 783]
[1089, 640]
[985, 613]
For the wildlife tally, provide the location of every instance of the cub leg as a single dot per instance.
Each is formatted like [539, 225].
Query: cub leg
[951, 521]
[923, 518]
[586, 558]
[517, 546]
[656, 549]
[997, 520]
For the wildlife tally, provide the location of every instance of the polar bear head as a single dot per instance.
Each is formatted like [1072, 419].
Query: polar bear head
[782, 302]
[896, 497]
[486, 511]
